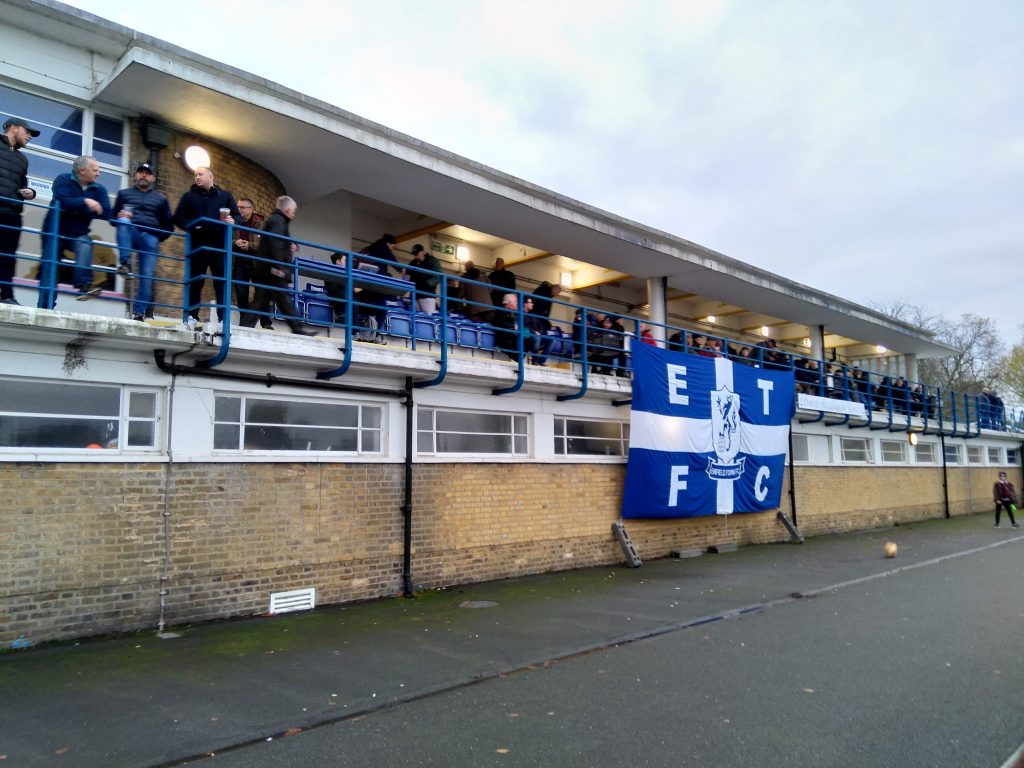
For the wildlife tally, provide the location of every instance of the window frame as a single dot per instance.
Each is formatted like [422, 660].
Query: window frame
[125, 419]
[513, 416]
[360, 429]
[933, 450]
[902, 450]
[868, 449]
[564, 439]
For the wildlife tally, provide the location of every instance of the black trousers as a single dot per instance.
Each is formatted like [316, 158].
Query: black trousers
[10, 234]
[244, 275]
[281, 296]
[201, 261]
[999, 509]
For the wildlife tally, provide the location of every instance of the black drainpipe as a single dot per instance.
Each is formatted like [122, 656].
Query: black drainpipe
[945, 474]
[792, 480]
[407, 590]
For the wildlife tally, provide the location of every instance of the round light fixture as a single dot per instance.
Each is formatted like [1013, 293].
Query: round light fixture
[912, 438]
[196, 157]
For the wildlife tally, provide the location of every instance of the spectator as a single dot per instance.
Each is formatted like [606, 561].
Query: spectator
[457, 297]
[503, 280]
[838, 383]
[543, 296]
[205, 200]
[373, 310]
[901, 396]
[276, 256]
[647, 337]
[997, 410]
[143, 218]
[1005, 497]
[605, 348]
[808, 376]
[506, 320]
[745, 357]
[335, 288]
[81, 200]
[244, 268]
[13, 184]
[477, 294]
[771, 357]
[883, 394]
[860, 389]
[425, 282]
[540, 340]
[675, 341]
[699, 346]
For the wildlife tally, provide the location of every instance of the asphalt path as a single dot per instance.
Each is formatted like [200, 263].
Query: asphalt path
[922, 667]
[825, 654]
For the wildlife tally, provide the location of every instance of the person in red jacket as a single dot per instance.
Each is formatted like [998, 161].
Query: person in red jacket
[1004, 495]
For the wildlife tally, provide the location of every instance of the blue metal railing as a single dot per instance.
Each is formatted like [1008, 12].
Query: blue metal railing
[347, 299]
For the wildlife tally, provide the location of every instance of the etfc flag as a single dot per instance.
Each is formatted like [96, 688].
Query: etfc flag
[707, 436]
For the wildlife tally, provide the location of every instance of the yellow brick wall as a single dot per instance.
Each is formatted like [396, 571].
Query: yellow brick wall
[82, 546]
[232, 171]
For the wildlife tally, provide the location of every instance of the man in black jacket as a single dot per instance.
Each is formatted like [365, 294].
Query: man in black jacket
[143, 218]
[206, 247]
[275, 268]
[13, 184]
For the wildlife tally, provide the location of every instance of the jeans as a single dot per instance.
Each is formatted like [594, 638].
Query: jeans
[146, 246]
[82, 279]
[541, 344]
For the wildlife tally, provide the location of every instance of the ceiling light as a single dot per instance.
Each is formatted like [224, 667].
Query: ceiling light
[196, 157]
[881, 350]
[711, 318]
[462, 252]
[565, 280]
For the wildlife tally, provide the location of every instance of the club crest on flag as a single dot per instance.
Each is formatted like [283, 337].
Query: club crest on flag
[725, 426]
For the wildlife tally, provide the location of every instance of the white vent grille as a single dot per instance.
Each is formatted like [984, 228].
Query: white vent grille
[294, 600]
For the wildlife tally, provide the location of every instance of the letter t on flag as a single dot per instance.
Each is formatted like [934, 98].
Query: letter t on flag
[707, 436]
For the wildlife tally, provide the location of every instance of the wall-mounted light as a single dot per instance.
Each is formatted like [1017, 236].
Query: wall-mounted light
[565, 280]
[462, 253]
[765, 330]
[806, 341]
[196, 157]
[881, 350]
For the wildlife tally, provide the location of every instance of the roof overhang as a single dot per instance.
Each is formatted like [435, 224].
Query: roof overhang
[315, 149]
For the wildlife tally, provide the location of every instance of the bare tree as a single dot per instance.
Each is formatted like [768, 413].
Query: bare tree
[981, 355]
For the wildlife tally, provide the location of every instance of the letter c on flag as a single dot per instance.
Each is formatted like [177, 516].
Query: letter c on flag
[761, 490]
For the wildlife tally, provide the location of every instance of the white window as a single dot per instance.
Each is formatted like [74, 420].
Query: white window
[926, 453]
[259, 423]
[812, 449]
[65, 415]
[894, 451]
[1011, 455]
[67, 131]
[974, 455]
[995, 455]
[856, 449]
[470, 432]
[801, 452]
[578, 437]
[952, 453]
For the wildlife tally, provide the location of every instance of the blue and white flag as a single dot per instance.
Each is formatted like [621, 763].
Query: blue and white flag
[707, 436]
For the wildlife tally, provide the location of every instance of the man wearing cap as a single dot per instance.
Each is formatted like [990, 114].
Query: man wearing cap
[13, 184]
[80, 199]
[425, 282]
[143, 219]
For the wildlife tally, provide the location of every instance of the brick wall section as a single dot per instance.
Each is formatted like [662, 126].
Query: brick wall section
[232, 171]
[82, 545]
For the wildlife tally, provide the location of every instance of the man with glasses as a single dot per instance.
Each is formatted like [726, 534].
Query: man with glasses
[246, 244]
[143, 218]
[14, 186]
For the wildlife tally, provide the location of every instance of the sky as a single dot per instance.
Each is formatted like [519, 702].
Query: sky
[870, 149]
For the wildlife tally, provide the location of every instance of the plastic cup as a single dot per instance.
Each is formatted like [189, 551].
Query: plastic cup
[224, 213]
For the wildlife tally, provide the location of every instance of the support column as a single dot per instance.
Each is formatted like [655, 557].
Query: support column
[911, 364]
[818, 342]
[657, 289]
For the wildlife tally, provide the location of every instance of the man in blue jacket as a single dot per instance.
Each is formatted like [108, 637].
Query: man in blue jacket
[80, 199]
[143, 218]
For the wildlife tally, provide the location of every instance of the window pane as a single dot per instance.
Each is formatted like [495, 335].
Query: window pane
[594, 447]
[605, 429]
[225, 437]
[105, 152]
[425, 418]
[994, 456]
[108, 129]
[855, 449]
[371, 441]
[298, 412]
[43, 432]
[46, 166]
[372, 416]
[299, 438]
[474, 443]
[141, 434]
[1011, 455]
[560, 446]
[800, 450]
[456, 421]
[893, 451]
[228, 409]
[520, 425]
[520, 445]
[925, 453]
[425, 442]
[142, 405]
[559, 427]
[59, 398]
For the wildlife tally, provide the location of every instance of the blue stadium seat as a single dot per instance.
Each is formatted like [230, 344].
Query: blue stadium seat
[398, 323]
[319, 313]
[424, 327]
[485, 336]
